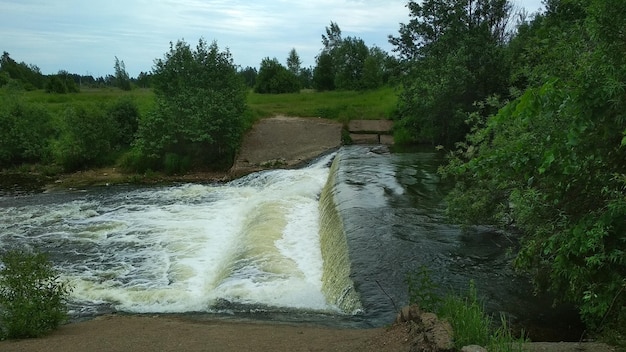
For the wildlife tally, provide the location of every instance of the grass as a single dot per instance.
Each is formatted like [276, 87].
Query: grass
[470, 324]
[337, 105]
[57, 103]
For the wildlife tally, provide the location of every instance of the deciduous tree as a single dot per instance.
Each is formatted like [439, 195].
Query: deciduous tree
[200, 104]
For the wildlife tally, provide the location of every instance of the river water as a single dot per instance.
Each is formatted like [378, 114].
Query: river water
[330, 244]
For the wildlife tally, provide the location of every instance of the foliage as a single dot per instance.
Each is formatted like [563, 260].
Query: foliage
[125, 115]
[324, 73]
[274, 78]
[61, 83]
[466, 315]
[25, 133]
[452, 55]
[294, 62]
[348, 64]
[551, 163]
[88, 137]
[32, 296]
[422, 289]
[470, 324]
[249, 75]
[29, 76]
[200, 105]
[122, 80]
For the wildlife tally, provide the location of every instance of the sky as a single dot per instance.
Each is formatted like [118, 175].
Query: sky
[85, 36]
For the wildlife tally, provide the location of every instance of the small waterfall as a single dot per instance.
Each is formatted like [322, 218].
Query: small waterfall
[336, 283]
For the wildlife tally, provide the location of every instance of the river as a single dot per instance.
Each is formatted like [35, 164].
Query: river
[331, 243]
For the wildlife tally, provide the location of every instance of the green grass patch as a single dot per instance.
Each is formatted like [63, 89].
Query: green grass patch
[57, 103]
[337, 105]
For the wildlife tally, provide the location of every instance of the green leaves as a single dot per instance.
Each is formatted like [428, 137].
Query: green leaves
[453, 56]
[200, 108]
[32, 296]
[553, 162]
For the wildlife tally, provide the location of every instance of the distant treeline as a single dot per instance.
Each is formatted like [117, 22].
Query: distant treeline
[29, 77]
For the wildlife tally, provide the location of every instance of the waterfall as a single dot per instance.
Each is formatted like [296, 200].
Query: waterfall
[336, 283]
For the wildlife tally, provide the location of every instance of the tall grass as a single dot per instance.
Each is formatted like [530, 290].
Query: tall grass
[57, 103]
[470, 324]
[337, 105]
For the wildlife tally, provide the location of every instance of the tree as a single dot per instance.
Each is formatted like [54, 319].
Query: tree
[452, 55]
[349, 61]
[293, 62]
[88, 136]
[29, 76]
[274, 78]
[324, 73]
[61, 83]
[25, 133]
[249, 75]
[550, 164]
[200, 105]
[342, 63]
[122, 80]
[143, 79]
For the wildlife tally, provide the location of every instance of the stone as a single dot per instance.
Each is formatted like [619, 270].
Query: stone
[473, 348]
[408, 313]
[427, 332]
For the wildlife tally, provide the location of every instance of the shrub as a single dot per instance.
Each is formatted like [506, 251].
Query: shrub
[126, 115]
[24, 134]
[87, 138]
[32, 297]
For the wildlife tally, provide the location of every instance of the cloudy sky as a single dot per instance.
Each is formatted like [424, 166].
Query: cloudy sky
[84, 37]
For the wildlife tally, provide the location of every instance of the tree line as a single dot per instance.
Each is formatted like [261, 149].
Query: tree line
[342, 64]
[532, 112]
[20, 75]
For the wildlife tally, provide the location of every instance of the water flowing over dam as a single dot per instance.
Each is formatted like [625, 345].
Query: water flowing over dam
[332, 242]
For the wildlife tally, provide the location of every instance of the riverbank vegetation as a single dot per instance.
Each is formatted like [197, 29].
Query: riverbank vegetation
[32, 297]
[535, 123]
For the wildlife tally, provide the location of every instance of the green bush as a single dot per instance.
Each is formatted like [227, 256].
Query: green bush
[32, 297]
[87, 138]
[25, 132]
[200, 107]
[125, 113]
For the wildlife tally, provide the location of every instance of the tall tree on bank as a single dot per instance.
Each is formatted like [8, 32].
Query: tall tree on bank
[199, 115]
[452, 55]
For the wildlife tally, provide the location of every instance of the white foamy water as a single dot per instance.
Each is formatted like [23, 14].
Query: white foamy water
[254, 241]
